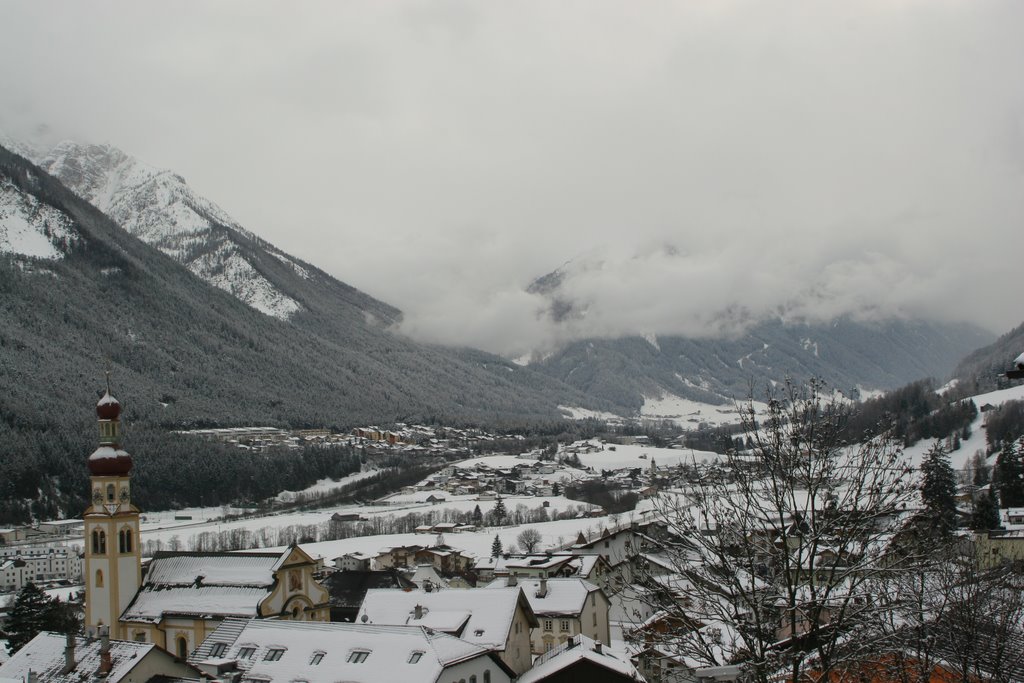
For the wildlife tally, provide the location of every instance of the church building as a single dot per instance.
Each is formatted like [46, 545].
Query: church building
[182, 596]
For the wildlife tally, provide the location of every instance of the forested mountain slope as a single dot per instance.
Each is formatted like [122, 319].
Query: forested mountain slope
[846, 353]
[983, 369]
[78, 293]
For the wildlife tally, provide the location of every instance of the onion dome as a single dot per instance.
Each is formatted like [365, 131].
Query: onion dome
[108, 408]
[107, 461]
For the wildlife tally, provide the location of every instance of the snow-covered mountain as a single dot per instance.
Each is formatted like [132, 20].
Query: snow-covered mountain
[30, 228]
[649, 371]
[159, 207]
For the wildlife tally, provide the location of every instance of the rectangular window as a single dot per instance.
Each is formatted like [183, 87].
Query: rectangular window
[218, 649]
[317, 658]
[246, 652]
[564, 625]
[547, 625]
[415, 657]
[273, 654]
[358, 656]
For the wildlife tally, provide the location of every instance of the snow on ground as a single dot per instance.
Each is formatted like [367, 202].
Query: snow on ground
[29, 227]
[328, 485]
[687, 413]
[635, 455]
[184, 531]
[584, 413]
[65, 593]
[478, 543]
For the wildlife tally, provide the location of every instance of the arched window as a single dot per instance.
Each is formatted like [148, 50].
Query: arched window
[487, 676]
[99, 578]
[99, 542]
[124, 541]
[182, 647]
[110, 493]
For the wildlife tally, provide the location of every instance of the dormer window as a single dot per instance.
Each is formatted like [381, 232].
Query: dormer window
[358, 656]
[317, 658]
[218, 649]
[273, 654]
[415, 657]
[246, 652]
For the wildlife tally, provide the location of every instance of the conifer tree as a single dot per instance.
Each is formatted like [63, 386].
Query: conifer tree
[1009, 476]
[986, 514]
[34, 611]
[938, 492]
[478, 516]
[496, 546]
[500, 513]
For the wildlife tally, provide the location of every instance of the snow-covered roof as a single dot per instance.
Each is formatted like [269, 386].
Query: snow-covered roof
[579, 649]
[153, 602]
[564, 596]
[44, 655]
[389, 648]
[224, 569]
[489, 612]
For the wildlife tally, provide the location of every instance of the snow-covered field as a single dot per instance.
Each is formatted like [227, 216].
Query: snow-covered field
[689, 414]
[553, 534]
[635, 455]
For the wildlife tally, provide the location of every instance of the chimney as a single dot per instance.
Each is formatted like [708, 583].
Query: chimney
[69, 654]
[542, 592]
[106, 664]
[597, 646]
[32, 677]
[512, 581]
[418, 612]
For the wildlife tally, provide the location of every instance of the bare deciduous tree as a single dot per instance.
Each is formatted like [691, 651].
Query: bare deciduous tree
[529, 539]
[781, 546]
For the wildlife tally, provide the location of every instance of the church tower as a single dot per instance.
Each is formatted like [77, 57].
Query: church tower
[113, 567]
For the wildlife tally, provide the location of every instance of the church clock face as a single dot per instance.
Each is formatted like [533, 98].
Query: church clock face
[97, 497]
[124, 494]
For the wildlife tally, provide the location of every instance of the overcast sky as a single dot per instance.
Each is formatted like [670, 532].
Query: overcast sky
[691, 158]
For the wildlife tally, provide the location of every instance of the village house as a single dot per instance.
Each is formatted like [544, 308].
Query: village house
[564, 608]
[498, 619]
[20, 565]
[994, 548]
[59, 658]
[581, 659]
[445, 559]
[262, 651]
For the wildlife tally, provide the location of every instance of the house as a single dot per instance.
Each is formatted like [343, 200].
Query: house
[348, 588]
[581, 659]
[62, 527]
[184, 596]
[266, 651]
[994, 548]
[59, 658]
[355, 561]
[498, 619]
[564, 608]
[445, 559]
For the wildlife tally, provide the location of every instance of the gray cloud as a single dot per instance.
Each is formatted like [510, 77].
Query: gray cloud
[810, 158]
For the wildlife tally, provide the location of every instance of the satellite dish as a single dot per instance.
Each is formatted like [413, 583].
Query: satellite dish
[364, 618]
